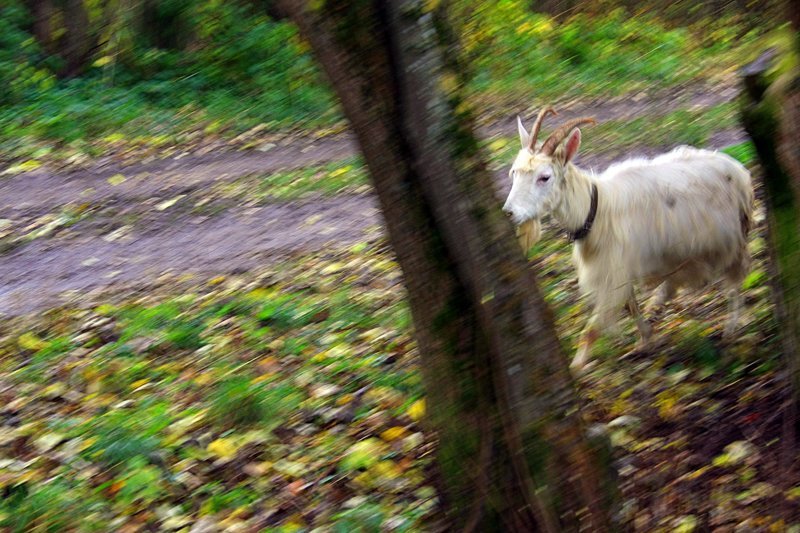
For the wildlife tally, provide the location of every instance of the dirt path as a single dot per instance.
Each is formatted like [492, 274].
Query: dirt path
[127, 242]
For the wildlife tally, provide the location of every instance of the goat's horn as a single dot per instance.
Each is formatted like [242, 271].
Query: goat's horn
[538, 125]
[561, 133]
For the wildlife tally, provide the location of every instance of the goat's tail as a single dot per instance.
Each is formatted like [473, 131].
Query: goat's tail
[745, 198]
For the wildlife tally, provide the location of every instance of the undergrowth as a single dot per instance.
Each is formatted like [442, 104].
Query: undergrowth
[244, 69]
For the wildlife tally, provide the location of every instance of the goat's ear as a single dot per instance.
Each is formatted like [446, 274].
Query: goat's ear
[524, 136]
[572, 145]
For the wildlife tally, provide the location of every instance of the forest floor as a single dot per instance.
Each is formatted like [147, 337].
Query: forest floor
[218, 340]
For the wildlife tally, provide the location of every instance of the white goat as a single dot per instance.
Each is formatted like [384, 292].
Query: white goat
[680, 219]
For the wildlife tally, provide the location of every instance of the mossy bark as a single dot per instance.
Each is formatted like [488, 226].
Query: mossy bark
[771, 116]
[513, 451]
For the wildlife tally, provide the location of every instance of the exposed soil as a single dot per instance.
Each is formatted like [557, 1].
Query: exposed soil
[121, 237]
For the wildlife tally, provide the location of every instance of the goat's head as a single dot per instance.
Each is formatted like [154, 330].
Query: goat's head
[538, 172]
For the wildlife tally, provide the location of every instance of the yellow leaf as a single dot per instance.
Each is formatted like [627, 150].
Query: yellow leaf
[313, 219]
[217, 280]
[293, 526]
[417, 410]
[139, 383]
[362, 454]
[114, 138]
[668, 406]
[25, 166]
[203, 379]
[497, 145]
[777, 527]
[386, 470]
[102, 61]
[166, 204]
[55, 390]
[430, 5]
[116, 179]
[87, 443]
[29, 341]
[344, 399]
[104, 309]
[394, 433]
[332, 268]
[222, 448]
[340, 171]
[699, 472]
[262, 378]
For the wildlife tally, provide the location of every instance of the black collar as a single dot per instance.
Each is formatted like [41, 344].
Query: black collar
[584, 230]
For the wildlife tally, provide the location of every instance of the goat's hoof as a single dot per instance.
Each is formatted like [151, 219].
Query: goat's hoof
[635, 352]
[581, 371]
[580, 365]
[642, 345]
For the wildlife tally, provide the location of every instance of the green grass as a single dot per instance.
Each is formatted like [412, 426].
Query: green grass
[346, 176]
[744, 152]
[515, 52]
[237, 403]
[693, 127]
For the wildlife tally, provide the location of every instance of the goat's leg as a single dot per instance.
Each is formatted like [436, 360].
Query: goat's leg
[589, 336]
[734, 305]
[665, 292]
[644, 327]
[594, 328]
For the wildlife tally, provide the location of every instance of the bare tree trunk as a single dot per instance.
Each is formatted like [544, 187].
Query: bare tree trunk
[42, 13]
[513, 452]
[77, 40]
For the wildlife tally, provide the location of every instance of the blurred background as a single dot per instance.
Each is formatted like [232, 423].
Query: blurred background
[203, 327]
[83, 77]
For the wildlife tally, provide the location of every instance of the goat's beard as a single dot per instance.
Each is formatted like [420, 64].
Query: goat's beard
[528, 233]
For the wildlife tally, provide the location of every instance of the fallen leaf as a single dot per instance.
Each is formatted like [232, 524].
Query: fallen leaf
[116, 179]
[223, 448]
[417, 410]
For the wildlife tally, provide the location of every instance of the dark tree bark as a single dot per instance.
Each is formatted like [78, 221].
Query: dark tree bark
[75, 45]
[513, 453]
[42, 13]
[771, 116]
[165, 24]
[77, 40]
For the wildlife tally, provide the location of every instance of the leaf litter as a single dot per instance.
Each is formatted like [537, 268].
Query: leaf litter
[291, 399]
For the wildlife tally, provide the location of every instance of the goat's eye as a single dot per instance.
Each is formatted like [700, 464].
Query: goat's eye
[543, 178]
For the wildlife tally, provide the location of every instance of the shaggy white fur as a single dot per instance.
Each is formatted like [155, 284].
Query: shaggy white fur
[679, 219]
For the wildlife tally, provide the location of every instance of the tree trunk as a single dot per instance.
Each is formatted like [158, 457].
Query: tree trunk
[42, 13]
[513, 454]
[77, 40]
[771, 116]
